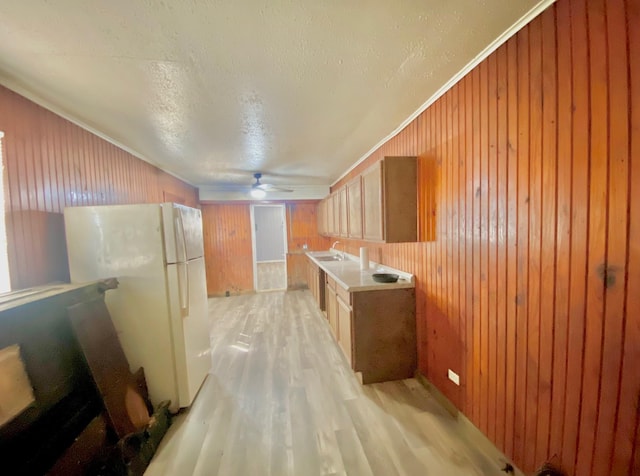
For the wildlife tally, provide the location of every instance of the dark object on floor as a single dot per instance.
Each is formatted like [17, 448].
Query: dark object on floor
[548, 469]
[508, 468]
[137, 449]
[385, 277]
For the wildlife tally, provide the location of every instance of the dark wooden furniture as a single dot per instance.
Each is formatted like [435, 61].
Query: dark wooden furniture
[66, 400]
[86, 400]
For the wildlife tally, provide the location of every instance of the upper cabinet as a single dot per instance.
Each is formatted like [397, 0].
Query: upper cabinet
[354, 202]
[343, 211]
[331, 227]
[372, 203]
[323, 218]
[378, 205]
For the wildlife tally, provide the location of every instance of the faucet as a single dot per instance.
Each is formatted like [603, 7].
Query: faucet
[333, 247]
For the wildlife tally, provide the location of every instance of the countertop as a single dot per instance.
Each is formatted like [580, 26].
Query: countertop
[349, 276]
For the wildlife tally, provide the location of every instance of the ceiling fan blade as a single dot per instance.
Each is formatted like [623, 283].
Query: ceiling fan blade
[272, 188]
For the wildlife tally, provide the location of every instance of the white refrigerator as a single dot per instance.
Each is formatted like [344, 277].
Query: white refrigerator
[160, 307]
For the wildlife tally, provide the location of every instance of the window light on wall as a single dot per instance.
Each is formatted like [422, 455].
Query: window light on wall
[5, 281]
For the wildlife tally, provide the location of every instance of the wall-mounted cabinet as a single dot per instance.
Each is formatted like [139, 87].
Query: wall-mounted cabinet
[379, 205]
[354, 201]
[322, 218]
[372, 203]
[343, 211]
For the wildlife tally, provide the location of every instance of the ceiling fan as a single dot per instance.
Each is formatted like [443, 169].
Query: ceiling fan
[259, 189]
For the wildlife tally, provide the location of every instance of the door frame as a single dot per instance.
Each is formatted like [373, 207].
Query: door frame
[283, 209]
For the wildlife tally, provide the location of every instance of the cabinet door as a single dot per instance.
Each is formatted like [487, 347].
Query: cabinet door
[344, 212]
[321, 212]
[335, 196]
[344, 329]
[329, 212]
[354, 200]
[332, 311]
[372, 203]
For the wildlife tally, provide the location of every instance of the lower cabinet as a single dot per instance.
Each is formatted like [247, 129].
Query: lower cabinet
[315, 283]
[345, 317]
[331, 306]
[376, 330]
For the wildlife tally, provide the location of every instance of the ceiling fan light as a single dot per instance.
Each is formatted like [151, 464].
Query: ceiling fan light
[258, 193]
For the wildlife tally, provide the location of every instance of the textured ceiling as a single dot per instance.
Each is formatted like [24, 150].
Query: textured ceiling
[215, 90]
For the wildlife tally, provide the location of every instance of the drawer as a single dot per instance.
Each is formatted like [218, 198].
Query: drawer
[344, 295]
[331, 282]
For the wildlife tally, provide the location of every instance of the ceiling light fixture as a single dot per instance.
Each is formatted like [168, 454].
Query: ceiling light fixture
[258, 193]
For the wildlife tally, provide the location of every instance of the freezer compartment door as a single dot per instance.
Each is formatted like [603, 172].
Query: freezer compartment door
[182, 232]
[192, 346]
[123, 241]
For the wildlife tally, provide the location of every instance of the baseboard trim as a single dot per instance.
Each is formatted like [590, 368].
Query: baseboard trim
[466, 427]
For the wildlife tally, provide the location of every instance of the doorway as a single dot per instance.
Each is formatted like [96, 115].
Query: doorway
[269, 239]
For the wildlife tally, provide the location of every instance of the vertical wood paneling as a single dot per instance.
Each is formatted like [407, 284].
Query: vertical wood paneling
[614, 267]
[500, 244]
[548, 191]
[563, 228]
[228, 249]
[511, 243]
[597, 225]
[579, 213]
[627, 435]
[51, 163]
[491, 274]
[531, 277]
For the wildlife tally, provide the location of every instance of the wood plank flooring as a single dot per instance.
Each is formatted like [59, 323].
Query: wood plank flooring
[272, 275]
[281, 400]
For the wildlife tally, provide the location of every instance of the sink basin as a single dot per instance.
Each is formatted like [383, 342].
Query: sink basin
[329, 258]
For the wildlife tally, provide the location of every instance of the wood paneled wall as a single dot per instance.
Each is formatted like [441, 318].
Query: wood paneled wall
[228, 250]
[530, 288]
[50, 163]
[302, 229]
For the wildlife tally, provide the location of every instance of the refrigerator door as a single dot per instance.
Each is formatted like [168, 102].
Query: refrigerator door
[190, 330]
[127, 242]
[183, 232]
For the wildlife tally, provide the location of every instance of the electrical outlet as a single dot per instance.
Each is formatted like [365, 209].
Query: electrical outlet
[454, 377]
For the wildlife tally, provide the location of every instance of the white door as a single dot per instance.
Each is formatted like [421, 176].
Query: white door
[269, 239]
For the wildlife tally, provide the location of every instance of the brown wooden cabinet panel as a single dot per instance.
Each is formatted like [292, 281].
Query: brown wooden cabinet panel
[381, 204]
[322, 217]
[376, 330]
[354, 200]
[331, 227]
[343, 212]
[345, 316]
[400, 199]
[331, 304]
[372, 224]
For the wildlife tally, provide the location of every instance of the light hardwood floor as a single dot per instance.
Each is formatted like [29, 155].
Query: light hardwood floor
[281, 400]
[271, 276]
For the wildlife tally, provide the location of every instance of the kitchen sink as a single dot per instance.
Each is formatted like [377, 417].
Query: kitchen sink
[329, 258]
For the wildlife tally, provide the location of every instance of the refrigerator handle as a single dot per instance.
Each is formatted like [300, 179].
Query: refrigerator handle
[180, 238]
[184, 277]
[183, 288]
